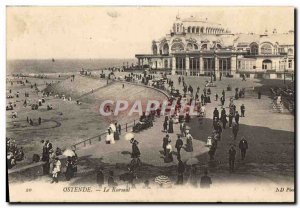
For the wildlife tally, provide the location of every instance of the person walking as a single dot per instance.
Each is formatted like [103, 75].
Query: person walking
[222, 99]
[135, 149]
[165, 126]
[183, 128]
[235, 130]
[178, 145]
[180, 171]
[243, 110]
[111, 181]
[100, 177]
[230, 118]
[232, 153]
[205, 180]
[168, 157]
[56, 170]
[189, 142]
[243, 145]
[69, 169]
[259, 94]
[171, 130]
[216, 114]
[165, 143]
[237, 117]
[223, 118]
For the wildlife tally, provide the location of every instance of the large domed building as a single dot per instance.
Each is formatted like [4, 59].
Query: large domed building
[197, 47]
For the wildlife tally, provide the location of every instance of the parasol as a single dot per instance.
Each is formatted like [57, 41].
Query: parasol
[128, 136]
[68, 153]
[192, 161]
[162, 180]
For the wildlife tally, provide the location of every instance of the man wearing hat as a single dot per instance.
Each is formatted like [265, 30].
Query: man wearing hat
[135, 149]
[179, 144]
[242, 110]
[232, 154]
[243, 145]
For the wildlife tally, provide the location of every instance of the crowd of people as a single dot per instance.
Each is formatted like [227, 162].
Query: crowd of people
[14, 153]
[113, 133]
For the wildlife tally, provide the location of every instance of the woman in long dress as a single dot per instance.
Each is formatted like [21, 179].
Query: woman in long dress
[171, 130]
[69, 171]
[189, 142]
[116, 133]
[109, 137]
[169, 156]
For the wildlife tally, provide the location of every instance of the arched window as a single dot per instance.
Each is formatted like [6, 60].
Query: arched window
[197, 30]
[267, 64]
[189, 47]
[177, 47]
[189, 29]
[266, 49]
[154, 49]
[196, 47]
[204, 47]
[202, 30]
[218, 46]
[254, 49]
[166, 49]
[290, 51]
[193, 29]
[166, 64]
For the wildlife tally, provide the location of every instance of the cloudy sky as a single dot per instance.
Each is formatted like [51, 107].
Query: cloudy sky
[119, 32]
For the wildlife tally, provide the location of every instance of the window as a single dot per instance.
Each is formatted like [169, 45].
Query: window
[204, 47]
[194, 63]
[290, 51]
[154, 48]
[254, 49]
[189, 46]
[290, 64]
[267, 64]
[166, 49]
[218, 46]
[266, 49]
[177, 47]
[180, 63]
[281, 50]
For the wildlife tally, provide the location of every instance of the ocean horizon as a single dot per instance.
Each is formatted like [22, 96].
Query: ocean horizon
[25, 66]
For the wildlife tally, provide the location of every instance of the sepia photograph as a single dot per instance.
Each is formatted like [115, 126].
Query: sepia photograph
[150, 104]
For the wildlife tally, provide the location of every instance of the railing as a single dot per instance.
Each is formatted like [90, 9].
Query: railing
[287, 103]
[124, 126]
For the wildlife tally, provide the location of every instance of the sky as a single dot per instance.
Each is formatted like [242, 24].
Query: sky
[120, 32]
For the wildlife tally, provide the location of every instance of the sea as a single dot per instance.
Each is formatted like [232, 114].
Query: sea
[36, 66]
